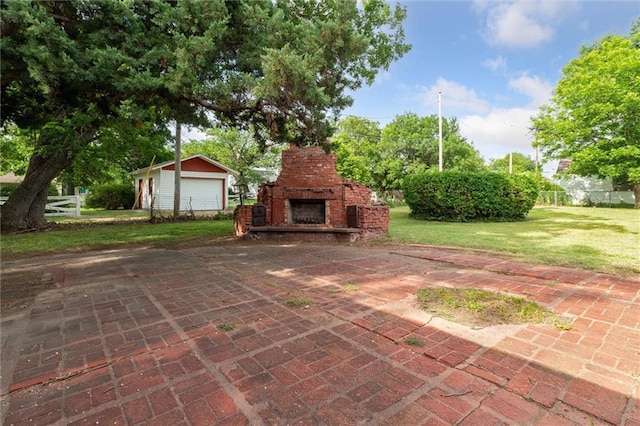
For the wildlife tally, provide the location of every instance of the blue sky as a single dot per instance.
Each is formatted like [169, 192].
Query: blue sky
[495, 63]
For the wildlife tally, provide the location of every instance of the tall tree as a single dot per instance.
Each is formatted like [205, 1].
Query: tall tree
[410, 144]
[70, 69]
[594, 114]
[238, 150]
[356, 146]
[520, 164]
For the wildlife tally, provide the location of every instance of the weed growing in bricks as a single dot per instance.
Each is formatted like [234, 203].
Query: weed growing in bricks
[346, 287]
[297, 301]
[414, 341]
[227, 326]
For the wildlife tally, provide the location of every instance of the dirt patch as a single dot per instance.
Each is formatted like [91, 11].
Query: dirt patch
[19, 289]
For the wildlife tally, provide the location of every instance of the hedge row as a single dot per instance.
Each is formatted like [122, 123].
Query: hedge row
[111, 197]
[466, 196]
[6, 189]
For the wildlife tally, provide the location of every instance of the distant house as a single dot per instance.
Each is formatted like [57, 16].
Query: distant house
[204, 185]
[10, 178]
[590, 188]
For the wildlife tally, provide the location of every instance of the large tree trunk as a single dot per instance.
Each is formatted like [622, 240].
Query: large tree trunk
[177, 171]
[636, 194]
[55, 150]
[26, 206]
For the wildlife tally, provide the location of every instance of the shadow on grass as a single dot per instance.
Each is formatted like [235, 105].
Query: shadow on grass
[584, 239]
[557, 222]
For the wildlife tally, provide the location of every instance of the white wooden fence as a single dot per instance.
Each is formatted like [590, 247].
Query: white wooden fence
[66, 205]
[585, 198]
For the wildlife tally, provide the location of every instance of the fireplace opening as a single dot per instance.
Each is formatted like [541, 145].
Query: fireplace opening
[308, 212]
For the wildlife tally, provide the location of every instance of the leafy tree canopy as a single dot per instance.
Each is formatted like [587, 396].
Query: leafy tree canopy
[410, 145]
[73, 70]
[119, 150]
[16, 146]
[520, 163]
[238, 150]
[381, 158]
[594, 114]
[107, 160]
[356, 147]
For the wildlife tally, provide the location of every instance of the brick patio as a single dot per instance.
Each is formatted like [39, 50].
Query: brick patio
[133, 337]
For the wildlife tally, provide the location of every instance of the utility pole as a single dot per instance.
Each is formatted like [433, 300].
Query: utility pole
[440, 131]
[177, 171]
[511, 157]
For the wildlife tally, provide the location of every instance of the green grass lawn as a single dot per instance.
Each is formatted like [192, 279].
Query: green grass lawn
[101, 215]
[601, 239]
[88, 237]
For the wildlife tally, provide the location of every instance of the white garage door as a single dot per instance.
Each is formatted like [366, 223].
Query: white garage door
[201, 194]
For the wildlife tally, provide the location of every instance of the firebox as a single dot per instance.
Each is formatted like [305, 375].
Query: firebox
[308, 212]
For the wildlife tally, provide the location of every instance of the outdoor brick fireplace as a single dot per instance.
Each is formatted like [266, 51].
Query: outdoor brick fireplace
[309, 201]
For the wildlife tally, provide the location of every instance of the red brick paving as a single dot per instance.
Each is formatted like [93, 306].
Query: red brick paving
[133, 337]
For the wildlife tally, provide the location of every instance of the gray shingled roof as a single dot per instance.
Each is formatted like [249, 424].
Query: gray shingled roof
[563, 165]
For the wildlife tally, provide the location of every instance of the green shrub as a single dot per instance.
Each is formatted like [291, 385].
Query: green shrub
[469, 196]
[525, 193]
[111, 197]
[6, 189]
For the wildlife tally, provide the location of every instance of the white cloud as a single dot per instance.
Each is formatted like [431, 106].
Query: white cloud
[584, 26]
[523, 23]
[494, 131]
[497, 64]
[537, 89]
[382, 77]
[499, 132]
[455, 96]
[509, 24]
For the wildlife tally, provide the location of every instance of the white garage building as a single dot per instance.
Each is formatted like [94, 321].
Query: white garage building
[204, 185]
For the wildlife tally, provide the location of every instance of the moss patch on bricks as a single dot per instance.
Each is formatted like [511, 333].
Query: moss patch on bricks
[482, 308]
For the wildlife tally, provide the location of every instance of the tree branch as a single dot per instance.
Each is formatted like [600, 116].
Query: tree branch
[215, 107]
